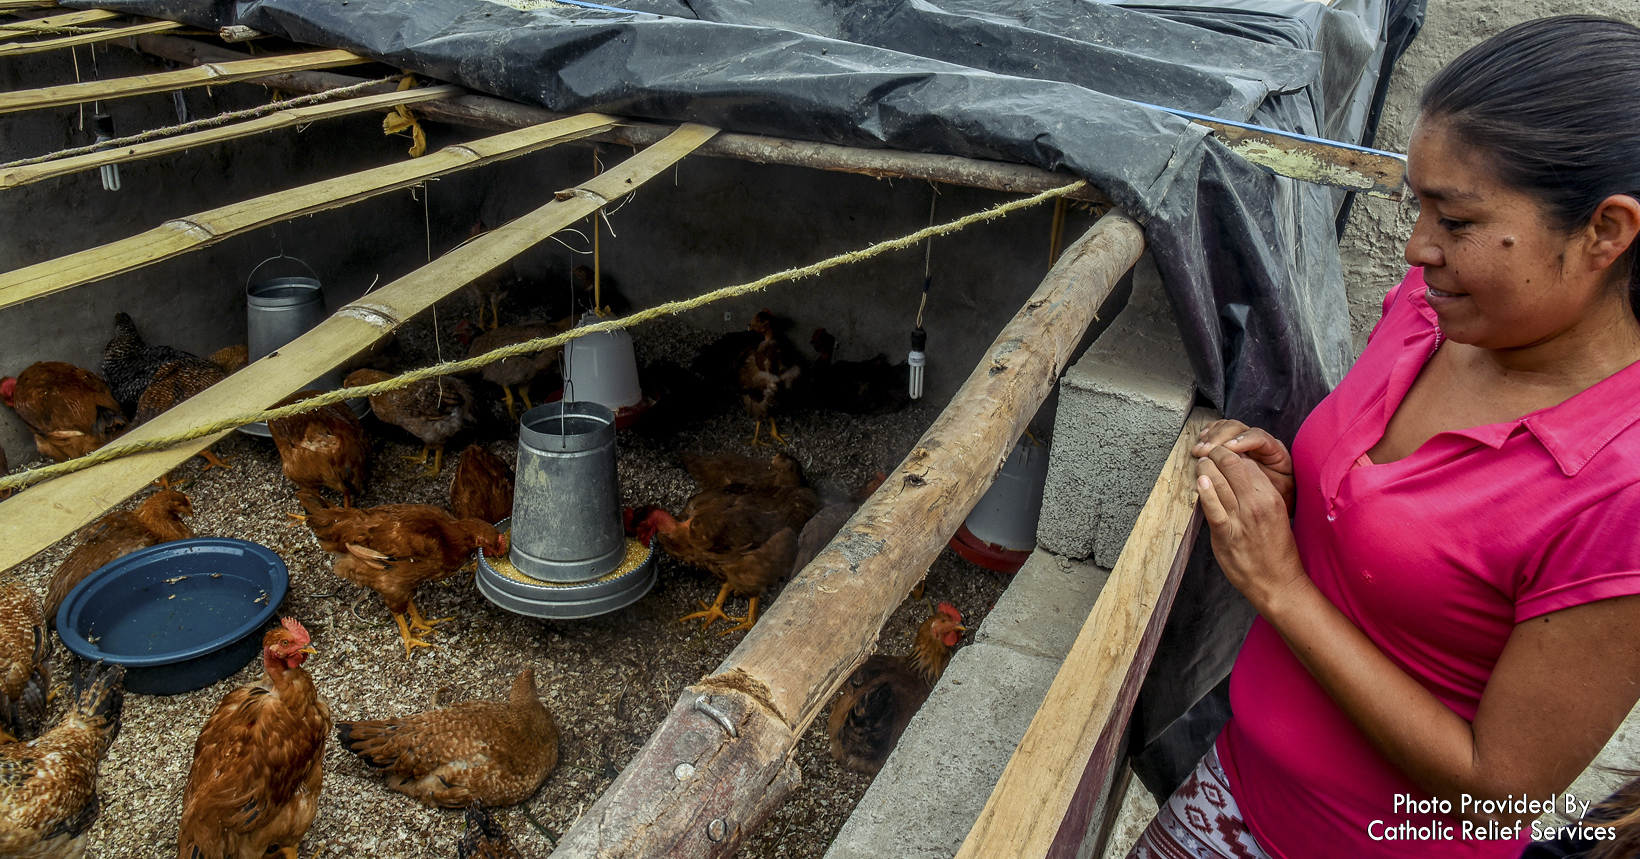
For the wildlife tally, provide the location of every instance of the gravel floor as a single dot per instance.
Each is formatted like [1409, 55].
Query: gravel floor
[609, 680]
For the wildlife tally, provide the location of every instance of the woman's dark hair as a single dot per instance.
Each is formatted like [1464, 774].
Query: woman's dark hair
[1552, 104]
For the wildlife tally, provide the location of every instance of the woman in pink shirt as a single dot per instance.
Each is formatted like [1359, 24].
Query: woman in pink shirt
[1447, 567]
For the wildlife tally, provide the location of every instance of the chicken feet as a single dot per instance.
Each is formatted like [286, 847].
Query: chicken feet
[714, 613]
[438, 459]
[757, 428]
[412, 626]
[523, 393]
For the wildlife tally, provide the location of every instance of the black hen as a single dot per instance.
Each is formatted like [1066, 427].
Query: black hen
[129, 364]
[873, 387]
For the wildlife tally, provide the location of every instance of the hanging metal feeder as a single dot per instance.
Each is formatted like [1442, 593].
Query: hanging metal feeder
[569, 556]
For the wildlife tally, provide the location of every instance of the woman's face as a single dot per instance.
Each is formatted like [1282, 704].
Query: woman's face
[1500, 276]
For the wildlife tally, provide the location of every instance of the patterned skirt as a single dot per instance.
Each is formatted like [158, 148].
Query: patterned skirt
[1199, 821]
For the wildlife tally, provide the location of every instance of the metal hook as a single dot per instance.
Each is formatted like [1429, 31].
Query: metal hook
[704, 705]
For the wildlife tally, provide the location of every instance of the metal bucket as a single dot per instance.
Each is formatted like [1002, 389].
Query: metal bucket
[278, 311]
[566, 523]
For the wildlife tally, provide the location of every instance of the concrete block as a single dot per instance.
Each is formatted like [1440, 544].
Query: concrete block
[957, 746]
[1045, 606]
[1120, 409]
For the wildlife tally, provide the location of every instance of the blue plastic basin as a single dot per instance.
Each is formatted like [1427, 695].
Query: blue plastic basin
[179, 616]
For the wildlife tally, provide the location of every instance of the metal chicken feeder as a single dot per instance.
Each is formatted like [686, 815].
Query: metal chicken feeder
[569, 556]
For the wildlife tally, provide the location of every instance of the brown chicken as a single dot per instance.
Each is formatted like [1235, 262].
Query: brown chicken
[484, 838]
[432, 410]
[323, 447]
[482, 487]
[231, 358]
[878, 700]
[156, 520]
[395, 548]
[873, 387]
[491, 752]
[767, 373]
[258, 764]
[69, 409]
[25, 667]
[742, 527]
[517, 371]
[48, 787]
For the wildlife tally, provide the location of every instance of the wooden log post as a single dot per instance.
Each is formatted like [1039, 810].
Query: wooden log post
[1059, 777]
[45, 513]
[714, 771]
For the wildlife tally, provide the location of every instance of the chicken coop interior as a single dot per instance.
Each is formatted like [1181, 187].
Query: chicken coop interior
[455, 188]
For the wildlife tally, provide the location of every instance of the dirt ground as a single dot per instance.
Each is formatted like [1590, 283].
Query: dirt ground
[608, 680]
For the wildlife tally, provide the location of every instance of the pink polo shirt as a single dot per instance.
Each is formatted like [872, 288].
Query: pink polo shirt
[1435, 557]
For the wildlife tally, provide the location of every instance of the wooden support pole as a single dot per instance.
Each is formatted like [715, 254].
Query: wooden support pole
[108, 35]
[481, 111]
[16, 29]
[1056, 780]
[827, 619]
[206, 75]
[45, 513]
[12, 177]
[181, 235]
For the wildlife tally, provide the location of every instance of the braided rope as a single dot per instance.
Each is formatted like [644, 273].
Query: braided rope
[116, 451]
[208, 122]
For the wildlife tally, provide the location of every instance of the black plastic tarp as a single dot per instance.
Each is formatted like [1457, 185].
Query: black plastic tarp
[1249, 260]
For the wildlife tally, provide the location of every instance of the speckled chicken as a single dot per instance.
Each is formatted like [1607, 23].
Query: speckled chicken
[873, 387]
[25, 666]
[158, 519]
[492, 752]
[258, 764]
[483, 837]
[482, 487]
[433, 410]
[742, 527]
[129, 363]
[48, 786]
[877, 701]
[395, 548]
[517, 371]
[70, 410]
[322, 447]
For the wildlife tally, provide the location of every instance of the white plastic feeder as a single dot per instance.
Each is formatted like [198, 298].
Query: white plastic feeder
[602, 368]
[1001, 529]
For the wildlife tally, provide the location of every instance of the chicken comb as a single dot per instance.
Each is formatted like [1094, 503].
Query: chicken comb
[949, 611]
[295, 628]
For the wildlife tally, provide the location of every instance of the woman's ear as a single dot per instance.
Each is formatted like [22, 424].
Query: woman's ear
[1612, 230]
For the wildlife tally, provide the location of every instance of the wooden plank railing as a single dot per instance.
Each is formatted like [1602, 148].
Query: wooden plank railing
[1049, 798]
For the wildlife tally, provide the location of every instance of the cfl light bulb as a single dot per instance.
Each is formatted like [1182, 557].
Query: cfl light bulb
[104, 125]
[916, 360]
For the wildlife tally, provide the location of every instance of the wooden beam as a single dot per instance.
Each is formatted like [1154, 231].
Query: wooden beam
[108, 35]
[205, 75]
[14, 29]
[1323, 162]
[827, 619]
[45, 513]
[12, 177]
[8, 5]
[181, 235]
[480, 111]
[1053, 784]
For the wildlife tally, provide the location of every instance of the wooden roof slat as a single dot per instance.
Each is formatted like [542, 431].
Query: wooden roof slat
[7, 5]
[1040, 806]
[18, 48]
[24, 174]
[205, 75]
[43, 514]
[181, 235]
[16, 29]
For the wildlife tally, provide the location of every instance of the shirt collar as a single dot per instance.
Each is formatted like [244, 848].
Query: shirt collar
[1572, 432]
